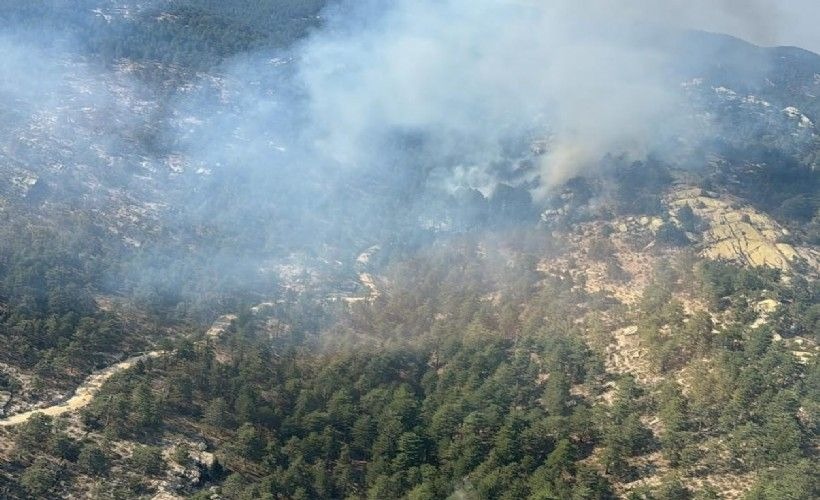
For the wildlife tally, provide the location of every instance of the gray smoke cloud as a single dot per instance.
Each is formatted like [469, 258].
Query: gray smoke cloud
[473, 75]
[590, 77]
[455, 85]
[453, 90]
[330, 143]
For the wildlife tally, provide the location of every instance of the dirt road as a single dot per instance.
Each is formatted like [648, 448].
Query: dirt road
[84, 393]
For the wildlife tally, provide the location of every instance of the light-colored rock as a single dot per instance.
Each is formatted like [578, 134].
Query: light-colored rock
[766, 306]
[220, 326]
[738, 232]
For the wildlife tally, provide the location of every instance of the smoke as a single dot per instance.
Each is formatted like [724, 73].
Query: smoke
[453, 92]
[350, 136]
[471, 77]
[457, 87]
[389, 99]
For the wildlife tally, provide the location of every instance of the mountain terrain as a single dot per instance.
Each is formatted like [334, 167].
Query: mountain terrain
[193, 307]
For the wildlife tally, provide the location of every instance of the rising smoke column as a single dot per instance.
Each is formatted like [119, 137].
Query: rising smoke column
[471, 76]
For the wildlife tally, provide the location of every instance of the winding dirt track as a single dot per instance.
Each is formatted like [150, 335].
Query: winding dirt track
[84, 393]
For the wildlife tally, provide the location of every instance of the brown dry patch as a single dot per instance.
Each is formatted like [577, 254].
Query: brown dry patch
[654, 463]
[216, 332]
[220, 326]
[627, 355]
[104, 303]
[728, 486]
[369, 283]
[632, 248]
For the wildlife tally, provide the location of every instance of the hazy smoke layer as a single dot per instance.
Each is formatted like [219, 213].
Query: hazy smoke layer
[470, 77]
[458, 90]
[344, 140]
[455, 91]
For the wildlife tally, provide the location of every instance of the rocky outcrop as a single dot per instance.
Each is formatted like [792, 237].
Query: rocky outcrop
[737, 232]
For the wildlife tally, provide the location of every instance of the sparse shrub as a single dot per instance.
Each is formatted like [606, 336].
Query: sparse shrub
[182, 454]
[688, 220]
[801, 208]
[148, 460]
[39, 478]
[35, 434]
[670, 235]
[615, 272]
[92, 460]
[601, 249]
[672, 489]
[63, 446]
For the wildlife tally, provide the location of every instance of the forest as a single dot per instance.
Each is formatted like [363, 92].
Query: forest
[321, 330]
[436, 390]
[195, 35]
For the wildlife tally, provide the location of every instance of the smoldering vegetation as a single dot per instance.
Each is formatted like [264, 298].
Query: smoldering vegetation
[217, 150]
